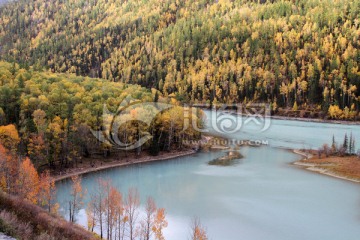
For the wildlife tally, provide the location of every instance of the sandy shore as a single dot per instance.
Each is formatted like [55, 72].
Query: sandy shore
[304, 154]
[316, 168]
[144, 159]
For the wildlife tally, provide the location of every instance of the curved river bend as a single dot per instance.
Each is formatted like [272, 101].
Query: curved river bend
[262, 197]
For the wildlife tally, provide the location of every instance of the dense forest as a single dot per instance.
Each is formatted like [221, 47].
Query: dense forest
[77, 77]
[301, 54]
[46, 123]
[49, 117]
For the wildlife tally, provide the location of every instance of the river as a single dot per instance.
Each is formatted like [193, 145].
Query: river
[262, 197]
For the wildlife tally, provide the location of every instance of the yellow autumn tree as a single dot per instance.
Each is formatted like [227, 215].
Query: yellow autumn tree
[9, 137]
[335, 112]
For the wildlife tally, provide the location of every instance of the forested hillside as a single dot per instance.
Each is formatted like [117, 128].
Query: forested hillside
[49, 117]
[301, 54]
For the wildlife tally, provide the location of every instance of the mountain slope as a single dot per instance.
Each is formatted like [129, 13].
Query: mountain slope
[56, 113]
[23, 220]
[283, 53]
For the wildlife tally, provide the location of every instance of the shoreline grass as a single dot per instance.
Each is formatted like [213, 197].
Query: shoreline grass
[346, 167]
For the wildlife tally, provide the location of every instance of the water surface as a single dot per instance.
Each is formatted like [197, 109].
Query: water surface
[263, 197]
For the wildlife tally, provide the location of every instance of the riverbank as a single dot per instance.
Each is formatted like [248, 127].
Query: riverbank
[345, 168]
[315, 120]
[290, 117]
[126, 161]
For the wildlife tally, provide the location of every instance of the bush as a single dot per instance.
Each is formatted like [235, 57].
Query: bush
[6, 227]
[11, 226]
[44, 236]
[326, 150]
[21, 219]
[342, 151]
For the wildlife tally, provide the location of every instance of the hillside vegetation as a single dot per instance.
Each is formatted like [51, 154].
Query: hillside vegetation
[49, 117]
[301, 54]
[48, 123]
[23, 220]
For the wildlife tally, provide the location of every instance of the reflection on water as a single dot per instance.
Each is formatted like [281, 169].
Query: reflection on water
[264, 197]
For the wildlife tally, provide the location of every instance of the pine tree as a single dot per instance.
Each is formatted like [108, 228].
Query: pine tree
[333, 145]
[156, 97]
[350, 149]
[346, 142]
[352, 144]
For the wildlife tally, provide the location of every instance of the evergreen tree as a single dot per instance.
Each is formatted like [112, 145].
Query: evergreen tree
[333, 145]
[156, 97]
[346, 142]
[350, 149]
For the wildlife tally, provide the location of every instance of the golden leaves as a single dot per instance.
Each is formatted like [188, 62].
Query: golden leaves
[28, 181]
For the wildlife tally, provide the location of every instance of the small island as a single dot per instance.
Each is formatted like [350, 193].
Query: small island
[227, 160]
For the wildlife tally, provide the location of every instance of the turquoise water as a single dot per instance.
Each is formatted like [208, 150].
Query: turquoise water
[262, 197]
[288, 133]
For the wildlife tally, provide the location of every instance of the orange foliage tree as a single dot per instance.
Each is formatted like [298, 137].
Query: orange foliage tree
[131, 209]
[91, 215]
[197, 230]
[113, 216]
[96, 208]
[106, 210]
[159, 224]
[114, 211]
[9, 162]
[28, 181]
[147, 222]
[20, 177]
[5, 158]
[77, 195]
[47, 191]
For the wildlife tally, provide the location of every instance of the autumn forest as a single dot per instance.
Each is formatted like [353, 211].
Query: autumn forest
[68, 67]
[292, 54]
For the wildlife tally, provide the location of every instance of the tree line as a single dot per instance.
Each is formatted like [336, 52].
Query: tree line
[115, 216]
[55, 114]
[293, 54]
[18, 176]
[46, 120]
[345, 148]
